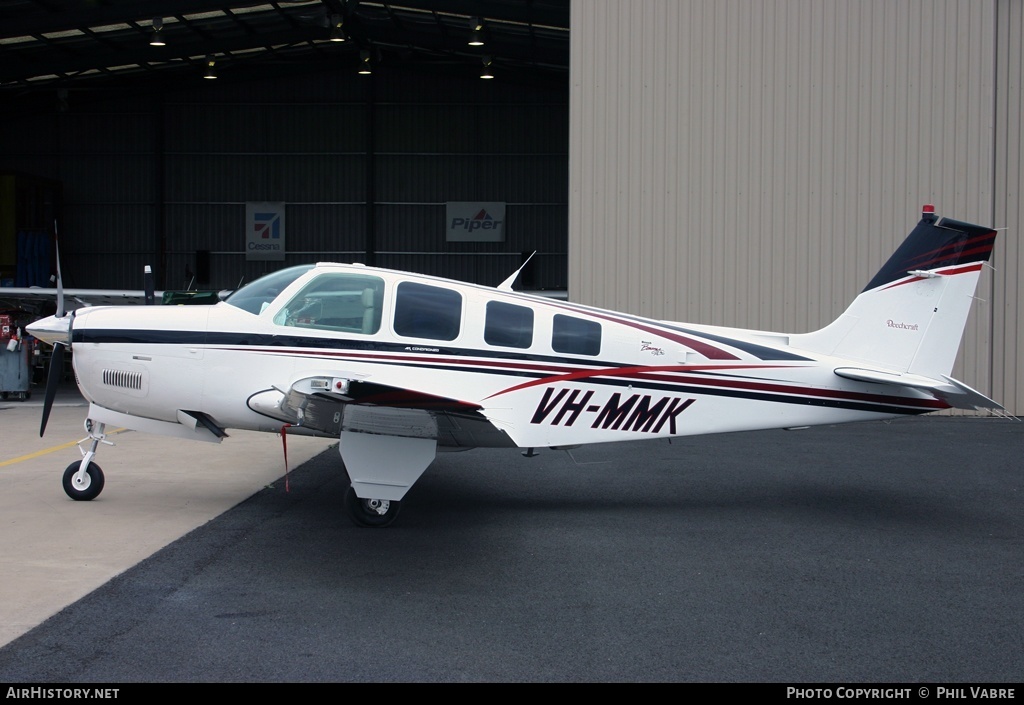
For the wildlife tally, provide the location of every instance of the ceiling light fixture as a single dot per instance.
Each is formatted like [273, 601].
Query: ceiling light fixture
[487, 73]
[337, 33]
[364, 63]
[210, 73]
[476, 37]
[157, 38]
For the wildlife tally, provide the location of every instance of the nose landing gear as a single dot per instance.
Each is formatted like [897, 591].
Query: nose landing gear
[83, 480]
[83, 486]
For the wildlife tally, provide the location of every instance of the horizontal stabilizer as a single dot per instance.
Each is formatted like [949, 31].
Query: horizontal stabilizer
[969, 398]
[954, 392]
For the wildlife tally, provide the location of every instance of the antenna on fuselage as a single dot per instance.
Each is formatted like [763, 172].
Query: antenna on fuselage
[507, 284]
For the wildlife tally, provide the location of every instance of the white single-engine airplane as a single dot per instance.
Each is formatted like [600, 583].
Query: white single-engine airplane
[396, 365]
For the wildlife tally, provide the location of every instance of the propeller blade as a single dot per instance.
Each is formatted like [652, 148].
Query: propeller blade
[60, 282]
[52, 381]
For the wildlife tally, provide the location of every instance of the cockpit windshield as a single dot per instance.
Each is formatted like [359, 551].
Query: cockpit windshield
[253, 297]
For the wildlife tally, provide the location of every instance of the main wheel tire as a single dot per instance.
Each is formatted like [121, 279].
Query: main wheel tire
[89, 488]
[375, 513]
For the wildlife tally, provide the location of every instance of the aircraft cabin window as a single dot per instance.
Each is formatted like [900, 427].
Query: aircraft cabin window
[423, 311]
[338, 301]
[508, 325]
[575, 335]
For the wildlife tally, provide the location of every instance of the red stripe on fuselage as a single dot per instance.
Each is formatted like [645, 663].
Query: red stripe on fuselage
[649, 373]
[634, 371]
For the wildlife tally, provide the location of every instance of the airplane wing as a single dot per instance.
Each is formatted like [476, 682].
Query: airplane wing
[36, 299]
[331, 405]
[952, 391]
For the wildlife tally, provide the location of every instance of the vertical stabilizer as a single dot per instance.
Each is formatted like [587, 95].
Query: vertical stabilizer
[910, 317]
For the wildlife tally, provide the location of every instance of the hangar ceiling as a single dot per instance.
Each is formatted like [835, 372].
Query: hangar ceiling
[55, 52]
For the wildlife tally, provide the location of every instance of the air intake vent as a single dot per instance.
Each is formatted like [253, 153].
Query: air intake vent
[122, 379]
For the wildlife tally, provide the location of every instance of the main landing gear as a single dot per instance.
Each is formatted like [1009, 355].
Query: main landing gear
[83, 480]
[375, 513]
[381, 469]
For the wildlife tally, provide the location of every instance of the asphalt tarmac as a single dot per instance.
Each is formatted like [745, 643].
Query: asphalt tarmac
[865, 553]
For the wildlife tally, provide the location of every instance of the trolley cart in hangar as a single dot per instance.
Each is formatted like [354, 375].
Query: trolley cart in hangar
[15, 356]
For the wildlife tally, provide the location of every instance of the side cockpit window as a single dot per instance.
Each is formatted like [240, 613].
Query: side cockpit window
[575, 335]
[508, 325]
[423, 311]
[337, 301]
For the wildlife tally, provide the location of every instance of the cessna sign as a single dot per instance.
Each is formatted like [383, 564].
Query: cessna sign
[473, 221]
[264, 230]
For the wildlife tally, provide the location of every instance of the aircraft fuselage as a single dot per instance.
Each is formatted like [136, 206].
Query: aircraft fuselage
[542, 372]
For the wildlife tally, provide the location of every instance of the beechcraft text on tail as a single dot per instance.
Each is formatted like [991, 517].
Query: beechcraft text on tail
[397, 365]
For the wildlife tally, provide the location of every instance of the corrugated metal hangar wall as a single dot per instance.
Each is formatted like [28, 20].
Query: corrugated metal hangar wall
[752, 163]
[167, 176]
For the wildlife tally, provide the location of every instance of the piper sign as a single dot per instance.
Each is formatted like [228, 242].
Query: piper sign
[473, 221]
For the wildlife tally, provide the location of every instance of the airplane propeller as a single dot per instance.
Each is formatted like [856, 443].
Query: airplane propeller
[52, 380]
[57, 356]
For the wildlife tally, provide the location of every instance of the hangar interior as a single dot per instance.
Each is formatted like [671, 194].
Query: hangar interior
[142, 157]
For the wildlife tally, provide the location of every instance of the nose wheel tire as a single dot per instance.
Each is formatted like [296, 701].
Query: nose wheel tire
[89, 487]
[374, 513]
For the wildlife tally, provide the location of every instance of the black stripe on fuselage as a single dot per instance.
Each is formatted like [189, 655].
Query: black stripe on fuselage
[214, 338]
